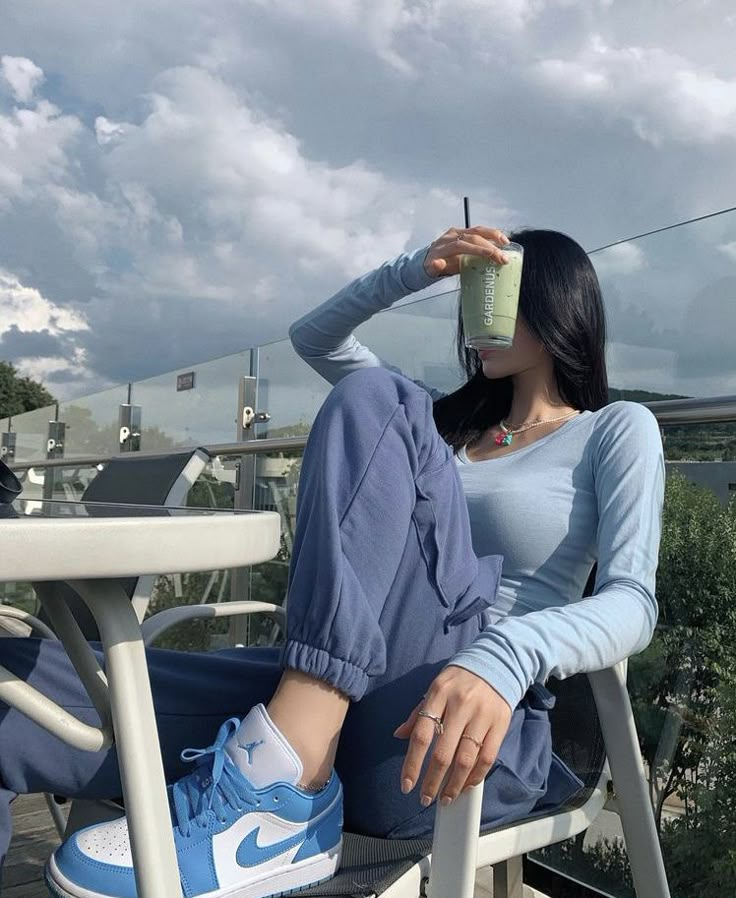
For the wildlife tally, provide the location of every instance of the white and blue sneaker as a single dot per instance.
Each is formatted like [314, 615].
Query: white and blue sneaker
[242, 826]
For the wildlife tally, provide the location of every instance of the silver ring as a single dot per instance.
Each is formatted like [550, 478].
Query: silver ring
[439, 726]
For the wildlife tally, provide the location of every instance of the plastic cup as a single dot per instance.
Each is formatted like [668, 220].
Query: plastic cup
[489, 298]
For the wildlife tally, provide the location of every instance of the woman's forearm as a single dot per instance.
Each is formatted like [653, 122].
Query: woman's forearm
[324, 337]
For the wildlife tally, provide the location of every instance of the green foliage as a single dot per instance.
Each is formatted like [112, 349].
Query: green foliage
[683, 691]
[20, 394]
[195, 635]
[712, 442]
[700, 846]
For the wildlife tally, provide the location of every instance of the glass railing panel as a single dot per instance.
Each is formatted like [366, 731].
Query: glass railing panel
[417, 337]
[671, 309]
[92, 422]
[62, 483]
[202, 415]
[276, 479]
[32, 431]
[276, 483]
[215, 488]
[289, 390]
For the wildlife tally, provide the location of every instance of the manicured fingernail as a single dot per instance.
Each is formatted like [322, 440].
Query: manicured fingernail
[426, 801]
[445, 800]
[406, 786]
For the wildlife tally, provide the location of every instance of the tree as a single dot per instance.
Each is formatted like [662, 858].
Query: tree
[20, 394]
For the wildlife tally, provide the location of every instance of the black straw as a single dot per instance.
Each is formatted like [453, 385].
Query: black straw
[466, 206]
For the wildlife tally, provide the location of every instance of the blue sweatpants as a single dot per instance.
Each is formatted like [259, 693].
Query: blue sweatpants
[384, 588]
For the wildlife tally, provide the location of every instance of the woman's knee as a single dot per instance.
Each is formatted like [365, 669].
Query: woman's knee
[371, 396]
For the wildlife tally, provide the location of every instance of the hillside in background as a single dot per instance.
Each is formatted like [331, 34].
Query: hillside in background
[714, 441]
[641, 395]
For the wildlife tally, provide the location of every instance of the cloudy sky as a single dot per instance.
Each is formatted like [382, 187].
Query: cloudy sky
[179, 180]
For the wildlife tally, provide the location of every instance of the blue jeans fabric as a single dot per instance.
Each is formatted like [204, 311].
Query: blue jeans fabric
[384, 588]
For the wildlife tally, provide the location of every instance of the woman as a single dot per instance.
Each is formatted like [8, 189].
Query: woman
[394, 598]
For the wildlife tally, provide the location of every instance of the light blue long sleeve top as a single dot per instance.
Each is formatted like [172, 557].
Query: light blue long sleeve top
[591, 491]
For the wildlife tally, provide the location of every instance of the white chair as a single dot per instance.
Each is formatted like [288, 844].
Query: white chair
[592, 723]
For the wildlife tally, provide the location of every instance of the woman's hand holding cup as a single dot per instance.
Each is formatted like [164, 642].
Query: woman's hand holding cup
[443, 256]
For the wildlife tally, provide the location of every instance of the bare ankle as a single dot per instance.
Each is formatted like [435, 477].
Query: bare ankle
[310, 714]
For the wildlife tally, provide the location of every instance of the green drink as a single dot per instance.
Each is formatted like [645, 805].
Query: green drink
[489, 298]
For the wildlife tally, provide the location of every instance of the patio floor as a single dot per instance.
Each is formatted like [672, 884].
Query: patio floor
[35, 838]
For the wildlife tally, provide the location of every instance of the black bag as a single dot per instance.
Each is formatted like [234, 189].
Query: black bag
[10, 489]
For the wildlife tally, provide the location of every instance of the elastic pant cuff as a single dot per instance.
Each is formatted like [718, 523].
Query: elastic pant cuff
[318, 663]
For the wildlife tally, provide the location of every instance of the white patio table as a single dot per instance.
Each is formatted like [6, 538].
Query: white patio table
[91, 546]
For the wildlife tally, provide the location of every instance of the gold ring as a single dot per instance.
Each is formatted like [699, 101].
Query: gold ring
[473, 740]
[439, 726]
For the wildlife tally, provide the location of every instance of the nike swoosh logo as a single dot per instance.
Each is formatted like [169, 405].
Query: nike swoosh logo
[250, 853]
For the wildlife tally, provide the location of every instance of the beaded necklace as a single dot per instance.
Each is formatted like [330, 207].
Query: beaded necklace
[507, 433]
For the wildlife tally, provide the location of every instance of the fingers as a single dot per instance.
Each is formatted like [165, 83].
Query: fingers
[482, 757]
[478, 241]
[449, 752]
[443, 257]
[422, 736]
[493, 234]
[460, 725]
[485, 760]
[472, 244]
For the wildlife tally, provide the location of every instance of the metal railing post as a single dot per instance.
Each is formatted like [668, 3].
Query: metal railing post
[7, 446]
[56, 435]
[129, 427]
[245, 432]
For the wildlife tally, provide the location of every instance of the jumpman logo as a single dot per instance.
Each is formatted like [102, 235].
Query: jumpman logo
[248, 749]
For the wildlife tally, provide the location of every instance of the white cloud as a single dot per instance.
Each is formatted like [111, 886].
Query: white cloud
[662, 95]
[729, 249]
[21, 75]
[107, 131]
[26, 309]
[394, 29]
[206, 194]
[49, 370]
[34, 147]
[204, 212]
[622, 259]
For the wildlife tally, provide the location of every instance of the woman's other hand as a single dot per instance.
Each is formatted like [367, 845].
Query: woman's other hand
[443, 256]
[475, 720]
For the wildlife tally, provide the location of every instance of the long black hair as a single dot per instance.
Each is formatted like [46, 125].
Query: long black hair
[561, 304]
